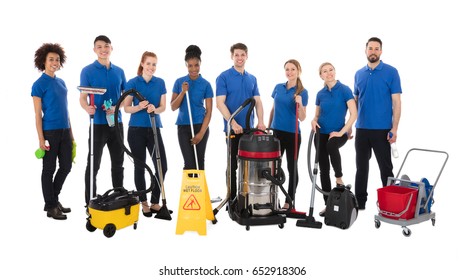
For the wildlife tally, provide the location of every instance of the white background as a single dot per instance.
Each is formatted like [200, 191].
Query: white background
[421, 39]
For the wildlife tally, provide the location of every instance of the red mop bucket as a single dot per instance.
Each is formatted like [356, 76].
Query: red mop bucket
[397, 202]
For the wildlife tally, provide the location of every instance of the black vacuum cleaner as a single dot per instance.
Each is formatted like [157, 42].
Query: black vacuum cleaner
[342, 206]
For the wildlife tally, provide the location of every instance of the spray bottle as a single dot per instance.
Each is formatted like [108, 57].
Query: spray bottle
[107, 104]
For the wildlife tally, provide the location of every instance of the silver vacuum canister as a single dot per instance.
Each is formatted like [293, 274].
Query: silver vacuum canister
[258, 152]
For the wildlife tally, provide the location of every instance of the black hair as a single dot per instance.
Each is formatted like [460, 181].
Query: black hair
[192, 51]
[374, 39]
[42, 52]
[102, 38]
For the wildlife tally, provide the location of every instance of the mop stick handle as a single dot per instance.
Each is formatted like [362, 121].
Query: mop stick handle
[191, 129]
[295, 153]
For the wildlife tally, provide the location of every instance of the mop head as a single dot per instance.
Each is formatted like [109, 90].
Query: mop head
[164, 213]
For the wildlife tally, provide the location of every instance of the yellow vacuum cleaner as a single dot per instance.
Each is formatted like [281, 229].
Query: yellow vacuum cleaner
[117, 208]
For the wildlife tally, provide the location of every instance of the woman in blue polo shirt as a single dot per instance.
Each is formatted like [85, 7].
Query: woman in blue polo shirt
[49, 94]
[200, 95]
[332, 103]
[140, 132]
[289, 98]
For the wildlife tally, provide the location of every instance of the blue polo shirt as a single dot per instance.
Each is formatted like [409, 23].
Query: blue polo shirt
[374, 89]
[199, 90]
[237, 88]
[112, 79]
[285, 107]
[151, 91]
[54, 95]
[333, 107]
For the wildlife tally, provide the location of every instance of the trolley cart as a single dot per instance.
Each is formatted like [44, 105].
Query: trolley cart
[404, 202]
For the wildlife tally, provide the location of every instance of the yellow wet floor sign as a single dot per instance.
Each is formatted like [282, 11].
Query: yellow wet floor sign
[194, 204]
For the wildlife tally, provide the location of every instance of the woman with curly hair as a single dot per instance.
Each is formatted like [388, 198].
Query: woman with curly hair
[49, 94]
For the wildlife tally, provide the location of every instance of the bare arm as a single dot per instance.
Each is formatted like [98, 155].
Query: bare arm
[129, 108]
[221, 105]
[347, 128]
[209, 108]
[177, 98]
[160, 109]
[396, 99]
[271, 116]
[301, 108]
[38, 121]
[259, 113]
[85, 104]
[314, 123]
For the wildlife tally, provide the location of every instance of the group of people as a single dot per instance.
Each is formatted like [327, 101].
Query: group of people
[374, 105]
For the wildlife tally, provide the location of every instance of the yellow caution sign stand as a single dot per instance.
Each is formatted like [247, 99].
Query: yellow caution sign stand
[194, 204]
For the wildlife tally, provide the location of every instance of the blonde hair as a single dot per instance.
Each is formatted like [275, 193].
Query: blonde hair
[325, 64]
[299, 84]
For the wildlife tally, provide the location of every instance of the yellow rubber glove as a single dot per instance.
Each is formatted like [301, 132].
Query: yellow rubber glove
[73, 153]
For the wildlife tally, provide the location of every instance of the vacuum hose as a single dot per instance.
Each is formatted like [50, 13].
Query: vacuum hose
[121, 140]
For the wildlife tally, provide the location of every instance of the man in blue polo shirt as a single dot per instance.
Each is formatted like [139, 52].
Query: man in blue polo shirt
[233, 87]
[377, 90]
[103, 74]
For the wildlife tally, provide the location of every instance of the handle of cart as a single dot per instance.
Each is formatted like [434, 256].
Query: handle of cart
[430, 195]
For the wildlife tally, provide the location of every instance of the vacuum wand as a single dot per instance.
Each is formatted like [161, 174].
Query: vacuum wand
[309, 221]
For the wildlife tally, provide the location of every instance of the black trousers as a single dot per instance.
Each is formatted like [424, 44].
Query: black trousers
[368, 140]
[61, 149]
[287, 147]
[140, 140]
[105, 136]
[184, 134]
[329, 153]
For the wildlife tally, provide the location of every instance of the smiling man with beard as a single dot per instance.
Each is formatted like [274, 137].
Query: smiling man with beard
[377, 91]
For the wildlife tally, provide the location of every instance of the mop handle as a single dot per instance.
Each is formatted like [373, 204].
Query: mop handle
[295, 153]
[91, 185]
[191, 129]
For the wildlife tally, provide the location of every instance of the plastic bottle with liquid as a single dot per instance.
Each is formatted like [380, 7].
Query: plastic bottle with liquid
[110, 119]
[107, 105]
[394, 149]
